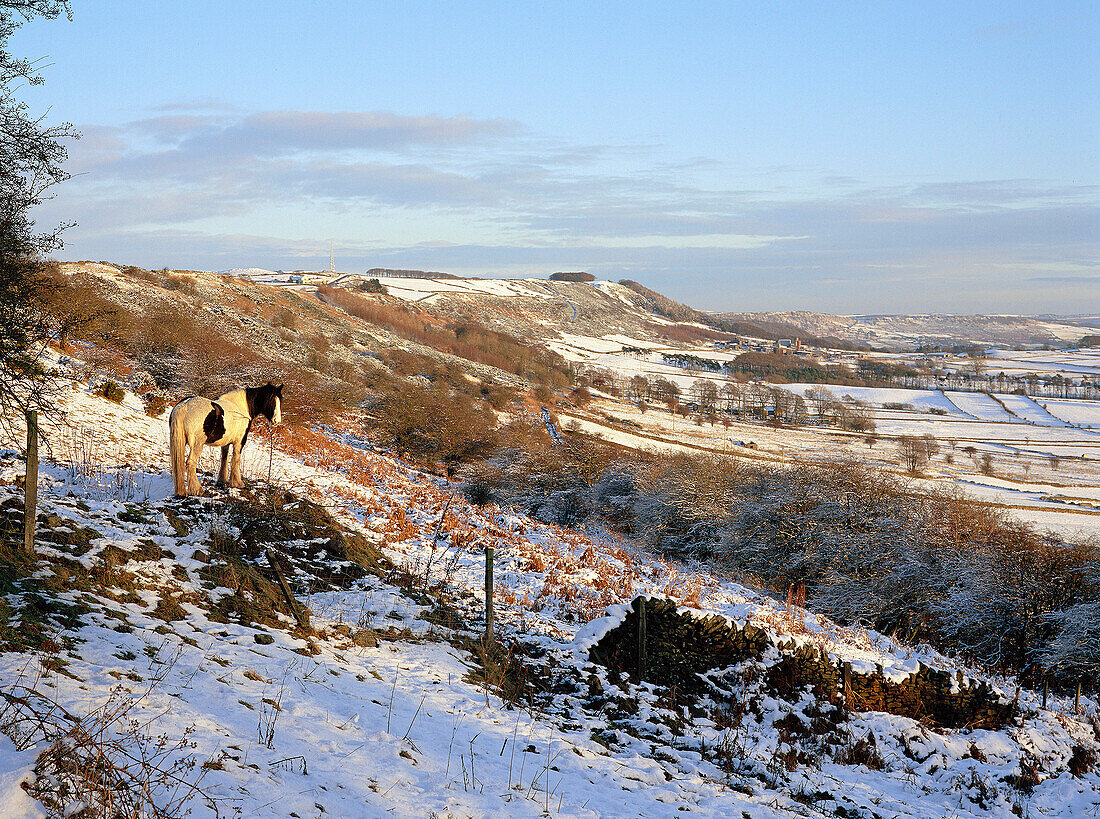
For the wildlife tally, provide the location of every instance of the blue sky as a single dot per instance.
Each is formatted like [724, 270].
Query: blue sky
[841, 157]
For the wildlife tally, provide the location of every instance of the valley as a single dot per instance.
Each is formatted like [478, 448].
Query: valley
[141, 609]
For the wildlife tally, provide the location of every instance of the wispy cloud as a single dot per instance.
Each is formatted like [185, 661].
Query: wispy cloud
[278, 133]
[1074, 280]
[200, 184]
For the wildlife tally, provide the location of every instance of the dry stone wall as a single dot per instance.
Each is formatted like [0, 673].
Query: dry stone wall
[680, 647]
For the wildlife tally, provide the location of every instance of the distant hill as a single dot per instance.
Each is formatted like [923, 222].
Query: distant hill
[767, 329]
[915, 331]
[573, 302]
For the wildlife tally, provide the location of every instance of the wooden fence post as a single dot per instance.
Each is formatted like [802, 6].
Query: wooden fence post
[641, 638]
[489, 550]
[30, 483]
[299, 615]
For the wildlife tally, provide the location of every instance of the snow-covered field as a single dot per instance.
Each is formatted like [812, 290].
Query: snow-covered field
[1046, 440]
[288, 723]
[1046, 362]
[1084, 414]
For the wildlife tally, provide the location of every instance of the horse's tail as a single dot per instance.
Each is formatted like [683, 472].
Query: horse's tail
[177, 442]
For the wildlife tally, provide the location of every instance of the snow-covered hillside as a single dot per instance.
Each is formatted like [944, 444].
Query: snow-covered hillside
[906, 332]
[146, 617]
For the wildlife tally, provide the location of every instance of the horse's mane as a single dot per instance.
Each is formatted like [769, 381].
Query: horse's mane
[262, 399]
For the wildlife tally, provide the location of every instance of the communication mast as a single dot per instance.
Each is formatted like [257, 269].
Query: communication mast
[331, 259]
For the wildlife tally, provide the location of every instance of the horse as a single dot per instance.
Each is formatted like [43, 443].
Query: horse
[197, 422]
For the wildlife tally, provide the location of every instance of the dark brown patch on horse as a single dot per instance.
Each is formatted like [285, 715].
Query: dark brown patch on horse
[214, 424]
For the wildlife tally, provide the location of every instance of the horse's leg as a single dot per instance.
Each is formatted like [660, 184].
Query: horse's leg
[193, 485]
[225, 465]
[236, 473]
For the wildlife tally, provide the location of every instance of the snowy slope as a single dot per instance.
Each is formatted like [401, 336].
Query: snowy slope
[1027, 409]
[1079, 413]
[316, 724]
[981, 406]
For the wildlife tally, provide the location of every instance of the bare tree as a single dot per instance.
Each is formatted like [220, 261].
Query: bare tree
[704, 393]
[754, 398]
[915, 452]
[660, 388]
[785, 406]
[986, 464]
[977, 366]
[819, 398]
[851, 414]
[731, 392]
[931, 445]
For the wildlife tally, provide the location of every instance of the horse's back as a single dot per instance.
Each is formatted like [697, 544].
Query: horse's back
[189, 409]
[198, 418]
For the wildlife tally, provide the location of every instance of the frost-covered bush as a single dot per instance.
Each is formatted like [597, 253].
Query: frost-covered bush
[550, 481]
[869, 547]
[1075, 651]
[432, 424]
[926, 565]
[154, 403]
[614, 492]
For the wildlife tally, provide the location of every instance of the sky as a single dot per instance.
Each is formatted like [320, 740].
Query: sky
[837, 157]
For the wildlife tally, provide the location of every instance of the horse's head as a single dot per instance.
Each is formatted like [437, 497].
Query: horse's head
[269, 402]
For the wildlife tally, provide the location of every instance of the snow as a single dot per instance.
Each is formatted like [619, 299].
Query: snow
[921, 400]
[981, 406]
[312, 724]
[17, 767]
[1058, 497]
[251, 273]
[1048, 362]
[1078, 413]
[1028, 409]
[416, 289]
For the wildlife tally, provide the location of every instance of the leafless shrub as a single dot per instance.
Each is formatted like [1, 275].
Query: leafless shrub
[862, 751]
[181, 284]
[343, 369]
[319, 361]
[526, 470]
[155, 404]
[986, 463]
[693, 488]
[916, 451]
[319, 342]
[1082, 760]
[88, 468]
[269, 710]
[285, 318]
[79, 308]
[466, 339]
[103, 760]
[1029, 776]
[430, 425]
